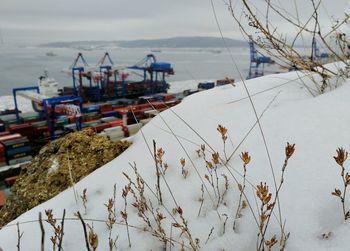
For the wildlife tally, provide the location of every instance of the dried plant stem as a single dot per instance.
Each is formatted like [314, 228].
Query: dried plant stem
[19, 236]
[210, 233]
[84, 199]
[224, 150]
[171, 236]
[224, 227]
[226, 187]
[158, 173]
[125, 217]
[150, 151]
[289, 150]
[217, 185]
[146, 184]
[343, 195]
[212, 182]
[71, 178]
[102, 221]
[42, 233]
[114, 198]
[341, 157]
[85, 232]
[62, 231]
[188, 156]
[202, 200]
[241, 189]
[227, 166]
[189, 235]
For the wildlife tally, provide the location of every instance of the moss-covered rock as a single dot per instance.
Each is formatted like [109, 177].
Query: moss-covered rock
[59, 164]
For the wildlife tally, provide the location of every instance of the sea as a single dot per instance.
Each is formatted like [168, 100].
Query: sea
[21, 66]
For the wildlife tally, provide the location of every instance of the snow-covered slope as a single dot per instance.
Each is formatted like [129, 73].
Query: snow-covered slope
[317, 126]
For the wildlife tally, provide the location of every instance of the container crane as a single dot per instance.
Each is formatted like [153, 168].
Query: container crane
[156, 71]
[79, 71]
[315, 53]
[257, 63]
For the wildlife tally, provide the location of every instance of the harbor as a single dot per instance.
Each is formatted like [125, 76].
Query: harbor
[102, 98]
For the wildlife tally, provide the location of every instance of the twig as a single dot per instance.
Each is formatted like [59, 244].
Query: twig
[340, 158]
[226, 218]
[157, 173]
[246, 159]
[62, 231]
[211, 232]
[19, 236]
[71, 179]
[125, 214]
[202, 200]
[289, 151]
[85, 232]
[42, 233]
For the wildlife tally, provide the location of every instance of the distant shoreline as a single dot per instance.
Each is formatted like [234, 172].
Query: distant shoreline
[175, 42]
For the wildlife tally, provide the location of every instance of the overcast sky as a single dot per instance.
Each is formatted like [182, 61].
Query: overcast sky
[36, 21]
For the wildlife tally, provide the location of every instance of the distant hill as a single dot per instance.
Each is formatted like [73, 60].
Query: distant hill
[175, 42]
[183, 42]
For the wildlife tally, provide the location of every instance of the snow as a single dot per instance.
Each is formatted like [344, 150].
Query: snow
[317, 125]
[54, 167]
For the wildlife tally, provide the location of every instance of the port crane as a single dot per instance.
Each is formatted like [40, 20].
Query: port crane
[257, 63]
[101, 85]
[315, 53]
[79, 69]
[48, 107]
[150, 65]
[154, 73]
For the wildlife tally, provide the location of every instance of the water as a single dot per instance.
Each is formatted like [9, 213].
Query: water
[21, 66]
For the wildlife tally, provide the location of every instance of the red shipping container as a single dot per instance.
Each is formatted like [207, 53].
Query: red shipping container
[100, 128]
[106, 107]
[118, 107]
[10, 136]
[4, 133]
[2, 153]
[2, 198]
[126, 131]
[39, 131]
[23, 129]
[10, 181]
[159, 105]
[168, 97]
[117, 122]
[33, 120]
[72, 119]
[92, 118]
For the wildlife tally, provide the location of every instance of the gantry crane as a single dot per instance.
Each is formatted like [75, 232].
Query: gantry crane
[154, 73]
[257, 63]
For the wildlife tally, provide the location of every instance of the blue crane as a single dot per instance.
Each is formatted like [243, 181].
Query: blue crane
[102, 78]
[78, 69]
[257, 63]
[156, 71]
[315, 53]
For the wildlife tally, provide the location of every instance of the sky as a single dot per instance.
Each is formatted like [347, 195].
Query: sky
[36, 21]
